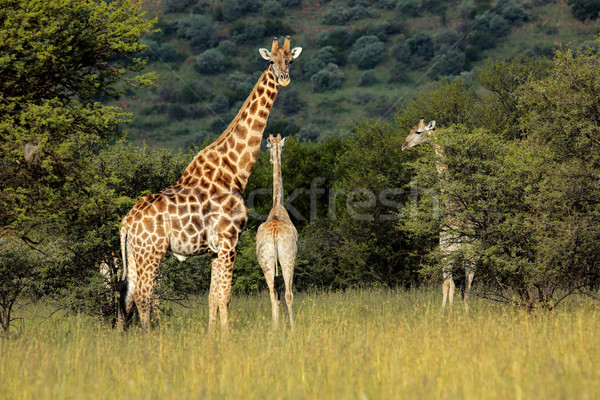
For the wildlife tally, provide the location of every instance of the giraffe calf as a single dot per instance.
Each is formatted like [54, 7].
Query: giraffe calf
[276, 240]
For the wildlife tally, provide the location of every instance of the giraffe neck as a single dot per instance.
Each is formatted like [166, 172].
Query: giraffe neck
[440, 165]
[239, 145]
[277, 180]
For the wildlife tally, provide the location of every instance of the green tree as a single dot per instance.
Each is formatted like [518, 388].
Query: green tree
[57, 58]
[584, 9]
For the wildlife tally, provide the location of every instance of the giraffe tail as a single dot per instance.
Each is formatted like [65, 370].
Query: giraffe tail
[278, 280]
[123, 286]
[279, 283]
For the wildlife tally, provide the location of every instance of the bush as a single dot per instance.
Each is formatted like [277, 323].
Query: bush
[449, 63]
[398, 73]
[444, 40]
[199, 30]
[401, 52]
[513, 12]
[319, 61]
[368, 78]
[210, 62]
[219, 104]
[339, 38]
[330, 78]
[421, 45]
[177, 6]
[584, 9]
[340, 15]
[234, 9]
[288, 101]
[248, 32]
[408, 8]
[227, 48]
[367, 52]
[272, 9]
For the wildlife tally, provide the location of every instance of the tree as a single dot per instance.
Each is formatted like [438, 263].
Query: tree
[367, 52]
[584, 9]
[59, 58]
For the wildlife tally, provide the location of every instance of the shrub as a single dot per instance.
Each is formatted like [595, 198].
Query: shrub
[367, 52]
[444, 40]
[199, 30]
[210, 62]
[339, 38]
[272, 9]
[421, 45]
[330, 78]
[234, 9]
[449, 63]
[319, 61]
[248, 32]
[584, 9]
[408, 8]
[368, 78]
[401, 52]
[227, 48]
[177, 6]
[219, 103]
[288, 101]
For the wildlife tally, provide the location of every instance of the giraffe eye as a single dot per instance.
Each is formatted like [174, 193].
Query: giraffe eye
[418, 132]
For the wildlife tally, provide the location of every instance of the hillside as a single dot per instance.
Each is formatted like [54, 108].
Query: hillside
[360, 58]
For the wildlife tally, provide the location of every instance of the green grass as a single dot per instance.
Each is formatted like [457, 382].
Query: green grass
[367, 344]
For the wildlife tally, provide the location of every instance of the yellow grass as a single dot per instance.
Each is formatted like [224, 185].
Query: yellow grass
[367, 344]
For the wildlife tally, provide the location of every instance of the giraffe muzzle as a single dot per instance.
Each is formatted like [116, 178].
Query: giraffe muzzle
[284, 79]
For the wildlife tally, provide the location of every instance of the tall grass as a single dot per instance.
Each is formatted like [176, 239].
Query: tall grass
[367, 344]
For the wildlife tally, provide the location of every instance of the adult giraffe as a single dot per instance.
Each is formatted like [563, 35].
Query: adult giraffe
[276, 239]
[450, 241]
[204, 210]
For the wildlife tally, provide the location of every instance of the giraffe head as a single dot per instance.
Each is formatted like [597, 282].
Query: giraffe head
[281, 58]
[275, 144]
[418, 134]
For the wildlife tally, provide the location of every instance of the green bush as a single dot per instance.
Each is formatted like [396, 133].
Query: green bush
[368, 78]
[210, 62]
[330, 78]
[367, 52]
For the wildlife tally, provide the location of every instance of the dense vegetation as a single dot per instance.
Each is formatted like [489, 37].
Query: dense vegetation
[361, 58]
[521, 140]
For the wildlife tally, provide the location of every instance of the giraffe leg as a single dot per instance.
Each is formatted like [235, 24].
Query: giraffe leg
[470, 274]
[448, 289]
[269, 272]
[213, 301]
[225, 288]
[288, 275]
[143, 294]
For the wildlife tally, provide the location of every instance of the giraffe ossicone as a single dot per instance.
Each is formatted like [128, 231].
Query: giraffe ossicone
[276, 239]
[204, 210]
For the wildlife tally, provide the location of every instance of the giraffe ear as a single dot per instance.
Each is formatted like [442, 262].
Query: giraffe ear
[283, 141]
[266, 54]
[269, 144]
[431, 125]
[296, 52]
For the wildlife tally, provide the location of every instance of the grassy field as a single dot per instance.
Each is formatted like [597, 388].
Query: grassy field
[367, 344]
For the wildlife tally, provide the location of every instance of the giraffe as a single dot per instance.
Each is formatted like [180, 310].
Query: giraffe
[276, 239]
[450, 242]
[204, 210]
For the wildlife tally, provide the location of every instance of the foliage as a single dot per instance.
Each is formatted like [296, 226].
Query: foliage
[319, 61]
[367, 52]
[330, 78]
[198, 30]
[210, 62]
[584, 9]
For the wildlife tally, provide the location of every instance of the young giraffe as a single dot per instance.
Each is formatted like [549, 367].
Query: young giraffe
[450, 241]
[276, 239]
[204, 210]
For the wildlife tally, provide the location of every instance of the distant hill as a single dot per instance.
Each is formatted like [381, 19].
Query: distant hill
[360, 58]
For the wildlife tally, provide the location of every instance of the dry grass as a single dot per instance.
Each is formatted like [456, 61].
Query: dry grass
[359, 344]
